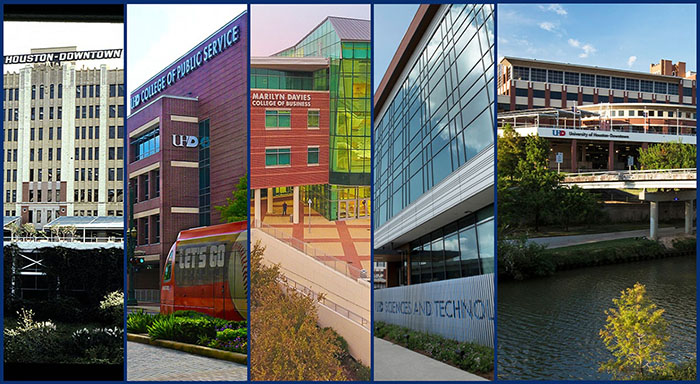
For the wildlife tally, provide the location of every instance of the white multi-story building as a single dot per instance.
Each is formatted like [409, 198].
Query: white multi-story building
[64, 134]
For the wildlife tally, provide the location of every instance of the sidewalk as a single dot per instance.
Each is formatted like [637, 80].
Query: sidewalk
[567, 241]
[396, 363]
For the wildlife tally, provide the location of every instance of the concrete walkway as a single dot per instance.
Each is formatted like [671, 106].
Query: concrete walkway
[567, 241]
[149, 363]
[396, 363]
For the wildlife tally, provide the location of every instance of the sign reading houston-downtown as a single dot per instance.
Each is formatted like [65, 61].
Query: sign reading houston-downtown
[55, 57]
[195, 60]
[460, 309]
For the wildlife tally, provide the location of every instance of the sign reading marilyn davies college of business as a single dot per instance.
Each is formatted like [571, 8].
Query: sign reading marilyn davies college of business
[56, 57]
[196, 59]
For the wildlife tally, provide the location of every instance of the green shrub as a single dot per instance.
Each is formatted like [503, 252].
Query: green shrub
[31, 341]
[192, 329]
[105, 343]
[235, 340]
[138, 322]
[164, 328]
[687, 244]
[521, 259]
[467, 356]
[112, 308]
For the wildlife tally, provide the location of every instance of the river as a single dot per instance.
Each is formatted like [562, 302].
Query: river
[548, 328]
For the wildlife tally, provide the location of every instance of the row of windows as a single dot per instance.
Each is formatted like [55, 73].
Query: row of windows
[93, 90]
[441, 115]
[148, 229]
[84, 133]
[147, 144]
[274, 79]
[283, 118]
[283, 156]
[573, 96]
[86, 174]
[597, 81]
[81, 112]
[641, 113]
[461, 249]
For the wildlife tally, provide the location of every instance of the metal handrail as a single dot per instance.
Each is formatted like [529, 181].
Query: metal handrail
[691, 129]
[634, 172]
[77, 239]
[317, 254]
[339, 309]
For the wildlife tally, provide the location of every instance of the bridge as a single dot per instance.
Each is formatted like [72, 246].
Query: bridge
[673, 185]
[683, 178]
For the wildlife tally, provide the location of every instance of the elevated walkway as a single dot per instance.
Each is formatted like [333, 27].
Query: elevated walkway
[685, 178]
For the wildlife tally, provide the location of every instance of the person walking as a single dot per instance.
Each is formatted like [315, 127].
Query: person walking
[284, 209]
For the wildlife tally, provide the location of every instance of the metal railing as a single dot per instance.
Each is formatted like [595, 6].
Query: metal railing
[77, 239]
[631, 174]
[147, 295]
[685, 130]
[317, 254]
[321, 299]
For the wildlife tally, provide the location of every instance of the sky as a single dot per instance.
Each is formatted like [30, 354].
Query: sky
[277, 27]
[20, 37]
[390, 25]
[157, 35]
[621, 36]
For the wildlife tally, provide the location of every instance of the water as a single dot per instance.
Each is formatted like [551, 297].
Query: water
[548, 328]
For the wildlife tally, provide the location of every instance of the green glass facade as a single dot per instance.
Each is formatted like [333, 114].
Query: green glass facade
[303, 81]
[348, 83]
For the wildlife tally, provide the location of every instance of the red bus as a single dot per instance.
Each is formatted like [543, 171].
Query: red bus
[206, 271]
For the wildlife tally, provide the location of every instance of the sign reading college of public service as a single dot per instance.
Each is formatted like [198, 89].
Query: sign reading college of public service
[56, 57]
[195, 59]
[459, 309]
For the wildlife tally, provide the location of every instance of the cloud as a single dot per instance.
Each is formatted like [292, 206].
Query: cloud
[547, 26]
[587, 49]
[556, 8]
[631, 61]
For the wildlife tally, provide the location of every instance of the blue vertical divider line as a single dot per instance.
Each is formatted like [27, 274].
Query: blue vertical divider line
[125, 201]
[2, 208]
[250, 285]
[495, 192]
[371, 196]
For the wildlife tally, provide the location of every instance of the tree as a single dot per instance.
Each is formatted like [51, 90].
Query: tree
[69, 230]
[576, 205]
[29, 229]
[15, 229]
[56, 231]
[672, 155]
[510, 151]
[287, 344]
[636, 333]
[236, 209]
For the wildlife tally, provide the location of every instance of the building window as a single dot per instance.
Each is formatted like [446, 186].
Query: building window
[277, 157]
[571, 78]
[312, 118]
[537, 74]
[587, 80]
[602, 81]
[312, 155]
[143, 146]
[556, 77]
[633, 85]
[618, 83]
[277, 119]
[521, 73]
[156, 229]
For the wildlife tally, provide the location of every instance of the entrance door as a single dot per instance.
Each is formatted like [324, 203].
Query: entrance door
[347, 209]
[364, 209]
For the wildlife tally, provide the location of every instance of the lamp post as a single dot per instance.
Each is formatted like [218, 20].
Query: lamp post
[309, 215]
[131, 250]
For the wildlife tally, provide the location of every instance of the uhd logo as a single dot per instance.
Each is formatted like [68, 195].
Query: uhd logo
[558, 132]
[185, 141]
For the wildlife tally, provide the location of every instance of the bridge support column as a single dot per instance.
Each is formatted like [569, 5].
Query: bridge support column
[574, 157]
[611, 156]
[688, 216]
[654, 220]
[257, 211]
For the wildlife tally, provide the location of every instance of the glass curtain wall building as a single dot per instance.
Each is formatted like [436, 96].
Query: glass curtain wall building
[346, 43]
[434, 142]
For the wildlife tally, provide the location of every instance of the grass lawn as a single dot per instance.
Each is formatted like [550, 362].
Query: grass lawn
[558, 230]
[597, 246]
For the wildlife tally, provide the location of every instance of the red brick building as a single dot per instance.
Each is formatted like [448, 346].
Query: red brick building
[289, 130]
[187, 136]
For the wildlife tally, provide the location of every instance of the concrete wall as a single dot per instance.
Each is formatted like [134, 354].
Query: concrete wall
[353, 295]
[460, 309]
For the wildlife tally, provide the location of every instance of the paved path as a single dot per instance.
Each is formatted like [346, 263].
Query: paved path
[396, 363]
[567, 241]
[149, 363]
